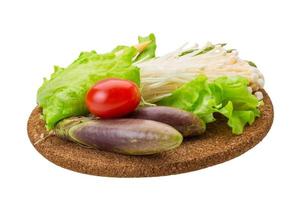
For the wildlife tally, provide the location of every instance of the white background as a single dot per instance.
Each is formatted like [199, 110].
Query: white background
[35, 35]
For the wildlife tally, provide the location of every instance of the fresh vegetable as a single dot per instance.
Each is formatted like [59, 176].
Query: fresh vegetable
[126, 136]
[149, 51]
[162, 75]
[203, 81]
[186, 123]
[112, 98]
[63, 95]
[226, 95]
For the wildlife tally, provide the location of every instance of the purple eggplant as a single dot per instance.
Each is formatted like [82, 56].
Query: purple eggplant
[187, 123]
[126, 136]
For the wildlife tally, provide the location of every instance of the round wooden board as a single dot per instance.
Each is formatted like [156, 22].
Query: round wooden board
[217, 145]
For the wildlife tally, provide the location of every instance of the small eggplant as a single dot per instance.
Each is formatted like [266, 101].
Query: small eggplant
[126, 136]
[187, 123]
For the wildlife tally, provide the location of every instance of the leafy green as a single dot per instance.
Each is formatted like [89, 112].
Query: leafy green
[226, 95]
[149, 52]
[63, 95]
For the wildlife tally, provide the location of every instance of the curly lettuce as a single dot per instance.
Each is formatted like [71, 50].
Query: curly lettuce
[63, 94]
[149, 52]
[226, 95]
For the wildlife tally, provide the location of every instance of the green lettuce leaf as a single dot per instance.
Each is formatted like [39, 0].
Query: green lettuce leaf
[149, 52]
[226, 95]
[63, 94]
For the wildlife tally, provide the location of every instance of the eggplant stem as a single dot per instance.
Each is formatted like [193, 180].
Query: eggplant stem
[43, 137]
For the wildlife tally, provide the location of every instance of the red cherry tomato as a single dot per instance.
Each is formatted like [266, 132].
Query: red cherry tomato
[112, 98]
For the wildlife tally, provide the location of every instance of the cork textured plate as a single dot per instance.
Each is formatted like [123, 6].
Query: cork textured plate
[217, 145]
